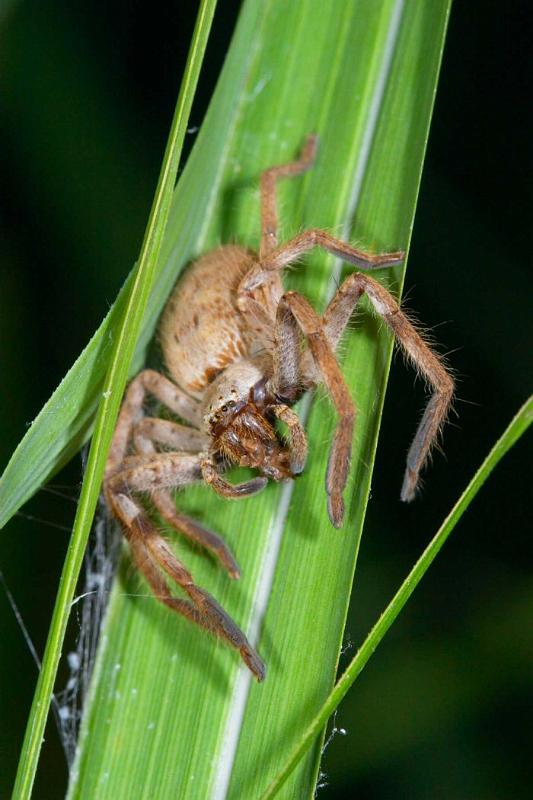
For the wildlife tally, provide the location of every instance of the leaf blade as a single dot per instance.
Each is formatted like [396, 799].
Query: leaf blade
[271, 117]
[109, 404]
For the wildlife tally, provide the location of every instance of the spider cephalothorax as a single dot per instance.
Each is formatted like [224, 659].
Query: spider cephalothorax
[242, 424]
[232, 344]
[250, 439]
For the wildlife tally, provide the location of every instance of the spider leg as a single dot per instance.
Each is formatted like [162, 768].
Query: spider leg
[259, 307]
[195, 532]
[419, 353]
[269, 213]
[179, 437]
[287, 357]
[260, 318]
[147, 381]
[151, 553]
[297, 436]
[170, 434]
[314, 237]
[295, 310]
[149, 472]
[275, 261]
[232, 491]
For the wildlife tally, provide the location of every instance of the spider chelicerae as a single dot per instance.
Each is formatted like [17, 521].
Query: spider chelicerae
[231, 339]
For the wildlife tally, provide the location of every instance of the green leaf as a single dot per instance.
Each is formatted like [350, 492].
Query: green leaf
[173, 713]
[120, 357]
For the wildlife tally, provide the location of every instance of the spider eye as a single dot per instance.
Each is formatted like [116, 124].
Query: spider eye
[231, 403]
[224, 407]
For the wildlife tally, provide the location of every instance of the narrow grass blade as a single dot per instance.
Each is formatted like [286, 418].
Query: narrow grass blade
[516, 428]
[120, 359]
[171, 713]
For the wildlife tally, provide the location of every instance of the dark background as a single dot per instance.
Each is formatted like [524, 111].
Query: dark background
[444, 707]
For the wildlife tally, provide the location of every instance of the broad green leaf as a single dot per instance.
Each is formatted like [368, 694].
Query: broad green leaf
[172, 712]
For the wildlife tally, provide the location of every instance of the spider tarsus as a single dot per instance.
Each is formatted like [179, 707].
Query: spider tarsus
[310, 148]
[253, 662]
[336, 509]
[253, 486]
[232, 490]
[226, 628]
[234, 574]
[409, 486]
[227, 560]
[297, 466]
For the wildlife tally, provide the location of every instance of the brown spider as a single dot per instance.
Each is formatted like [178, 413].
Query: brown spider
[231, 339]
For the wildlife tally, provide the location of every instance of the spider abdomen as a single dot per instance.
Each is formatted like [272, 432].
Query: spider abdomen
[202, 331]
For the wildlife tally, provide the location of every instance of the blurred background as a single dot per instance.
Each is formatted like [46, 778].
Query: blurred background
[86, 107]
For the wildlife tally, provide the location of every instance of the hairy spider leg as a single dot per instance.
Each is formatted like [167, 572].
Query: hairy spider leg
[419, 353]
[147, 382]
[263, 281]
[259, 308]
[298, 439]
[323, 336]
[145, 431]
[294, 310]
[168, 433]
[232, 491]
[151, 551]
[180, 438]
[269, 212]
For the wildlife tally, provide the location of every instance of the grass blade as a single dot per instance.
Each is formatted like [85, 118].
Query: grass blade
[171, 714]
[516, 428]
[121, 355]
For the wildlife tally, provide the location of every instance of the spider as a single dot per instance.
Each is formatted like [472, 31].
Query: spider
[231, 339]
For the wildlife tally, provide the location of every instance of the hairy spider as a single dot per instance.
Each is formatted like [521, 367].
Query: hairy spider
[232, 345]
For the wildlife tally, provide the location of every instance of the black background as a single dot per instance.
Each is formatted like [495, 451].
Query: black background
[442, 708]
